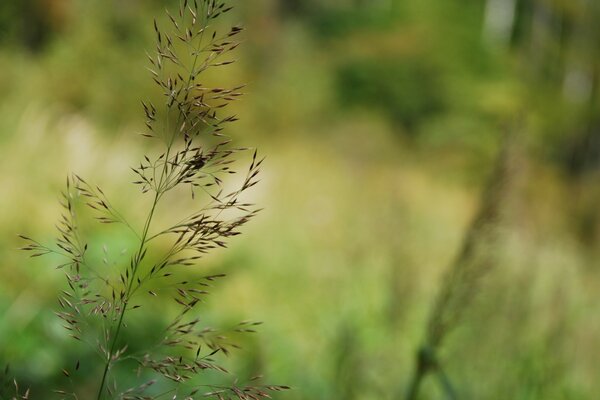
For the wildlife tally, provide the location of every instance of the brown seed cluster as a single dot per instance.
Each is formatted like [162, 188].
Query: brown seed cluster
[189, 126]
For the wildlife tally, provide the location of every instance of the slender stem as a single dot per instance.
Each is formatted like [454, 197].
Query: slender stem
[126, 298]
[160, 190]
[415, 384]
[424, 363]
[446, 384]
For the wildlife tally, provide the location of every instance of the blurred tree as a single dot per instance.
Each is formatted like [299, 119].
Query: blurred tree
[408, 90]
[499, 21]
[335, 18]
[31, 23]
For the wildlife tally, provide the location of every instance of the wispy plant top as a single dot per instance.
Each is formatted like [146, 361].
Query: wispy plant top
[195, 155]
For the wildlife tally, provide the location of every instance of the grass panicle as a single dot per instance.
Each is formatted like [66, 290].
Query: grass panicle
[477, 257]
[195, 155]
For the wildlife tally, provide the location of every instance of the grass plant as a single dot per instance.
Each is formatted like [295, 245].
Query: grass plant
[477, 257]
[193, 158]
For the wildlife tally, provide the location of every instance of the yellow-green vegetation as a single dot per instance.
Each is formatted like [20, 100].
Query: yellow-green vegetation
[381, 122]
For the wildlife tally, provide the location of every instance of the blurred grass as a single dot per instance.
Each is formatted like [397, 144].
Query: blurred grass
[380, 126]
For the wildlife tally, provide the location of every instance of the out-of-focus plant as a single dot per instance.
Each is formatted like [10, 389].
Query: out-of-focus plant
[195, 156]
[9, 389]
[478, 256]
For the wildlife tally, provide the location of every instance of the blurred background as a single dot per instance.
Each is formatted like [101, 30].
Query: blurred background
[381, 121]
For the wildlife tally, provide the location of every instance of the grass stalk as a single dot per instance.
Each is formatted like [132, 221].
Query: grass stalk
[198, 156]
[477, 258]
[115, 337]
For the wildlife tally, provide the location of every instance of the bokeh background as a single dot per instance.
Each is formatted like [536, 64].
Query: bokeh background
[381, 121]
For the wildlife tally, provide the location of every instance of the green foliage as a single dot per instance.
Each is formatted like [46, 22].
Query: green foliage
[408, 90]
[381, 120]
[24, 23]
